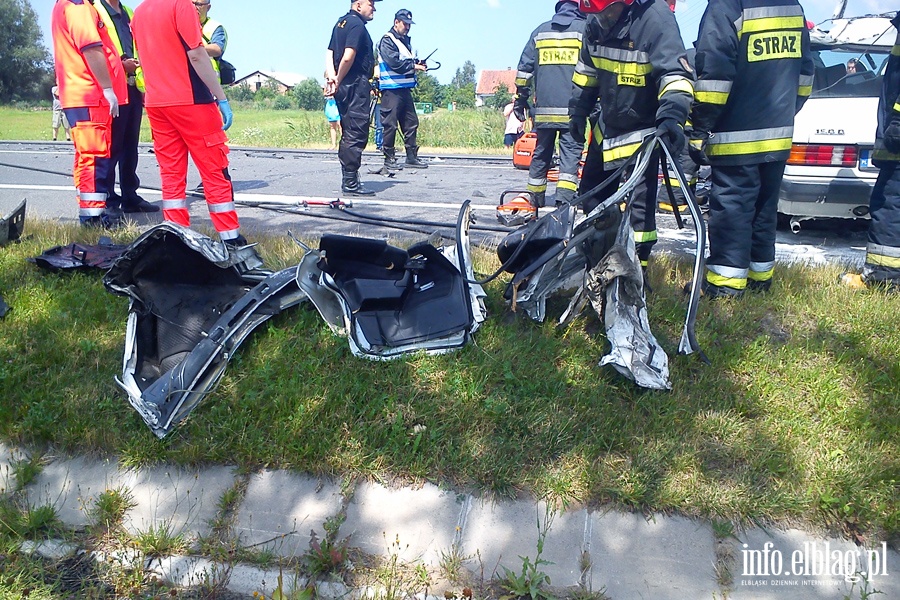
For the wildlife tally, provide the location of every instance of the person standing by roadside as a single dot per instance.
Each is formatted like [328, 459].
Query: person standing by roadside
[752, 78]
[334, 120]
[126, 128]
[882, 266]
[188, 112]
[349, 66]
[215, 38]
[397, 69]
[514, 127]
[59, 118]
[91, 88]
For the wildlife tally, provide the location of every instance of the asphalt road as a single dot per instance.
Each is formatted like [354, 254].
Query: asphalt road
[40, 172]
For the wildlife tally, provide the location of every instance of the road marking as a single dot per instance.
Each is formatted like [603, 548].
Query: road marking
[442, 164]
[64, 151]
[286, 200]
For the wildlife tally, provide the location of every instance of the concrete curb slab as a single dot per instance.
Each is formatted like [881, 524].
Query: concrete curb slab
[71, 486]
[280, 509]
[424, 521]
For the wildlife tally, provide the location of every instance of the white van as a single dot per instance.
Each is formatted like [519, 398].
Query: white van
[830, 171]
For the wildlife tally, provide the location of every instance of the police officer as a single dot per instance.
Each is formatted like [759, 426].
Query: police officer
[546, 67]
[633, 61]
[397, 67]
[754, 72]
[126, 128]
[882, 266]
[349, 65]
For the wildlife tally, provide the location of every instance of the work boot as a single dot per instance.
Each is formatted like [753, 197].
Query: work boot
[412, 158]
[759, 286]
[135, 204]
[351, 185]
[390, 160]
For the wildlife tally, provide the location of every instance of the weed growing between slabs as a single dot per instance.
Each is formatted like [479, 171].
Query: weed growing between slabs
[797, 418]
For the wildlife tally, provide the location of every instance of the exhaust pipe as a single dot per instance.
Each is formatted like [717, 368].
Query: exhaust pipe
[795, 226]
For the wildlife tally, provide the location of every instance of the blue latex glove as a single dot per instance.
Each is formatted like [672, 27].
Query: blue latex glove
[227, 115]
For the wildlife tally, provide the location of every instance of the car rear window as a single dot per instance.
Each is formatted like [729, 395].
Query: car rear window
[834, 77]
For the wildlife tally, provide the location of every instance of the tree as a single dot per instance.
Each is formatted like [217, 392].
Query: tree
[465, 75]
[428, 89]
[463, 96]
[24, 61]
[308, 94]
[501, 97]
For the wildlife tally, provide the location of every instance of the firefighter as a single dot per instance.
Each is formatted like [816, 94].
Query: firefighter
[754, 72]
[349, 66]
[91, 88]
[633, 60]
[882, 266]
[397, 68]
[546, 68]
[188, 113]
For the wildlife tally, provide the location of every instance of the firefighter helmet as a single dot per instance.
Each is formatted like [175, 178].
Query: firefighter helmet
[596, 6]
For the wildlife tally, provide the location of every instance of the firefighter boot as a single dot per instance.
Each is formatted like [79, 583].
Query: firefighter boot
[390, 160]
[351, 185]
[412, 158]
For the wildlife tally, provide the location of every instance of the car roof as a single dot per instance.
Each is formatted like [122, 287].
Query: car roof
[857, 34]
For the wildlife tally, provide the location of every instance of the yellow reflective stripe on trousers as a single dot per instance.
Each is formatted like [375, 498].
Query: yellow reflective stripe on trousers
[777, 145]
[804, 90]
[566, 185]
[645, 236]
[760, 275]
[625, 145]
[897, 107]
[883, 256]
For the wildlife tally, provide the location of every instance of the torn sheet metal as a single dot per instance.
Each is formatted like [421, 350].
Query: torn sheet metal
[12, 225]
[80, 257]
[389, 301]
[634, 351]
[192, 303]
[594, 258]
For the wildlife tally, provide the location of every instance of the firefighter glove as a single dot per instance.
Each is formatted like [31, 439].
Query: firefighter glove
[577, 126]
[110, 96]
[697, 147]
[521, 108]
[892, 134]
[227, 115]
[671, 132]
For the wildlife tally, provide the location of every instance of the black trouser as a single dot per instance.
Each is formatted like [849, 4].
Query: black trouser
[353, 98]
[126, 134]
[743, 217]
[569, 155]
[690, 170]
[398, 108]
[643, 201]
[883, 250]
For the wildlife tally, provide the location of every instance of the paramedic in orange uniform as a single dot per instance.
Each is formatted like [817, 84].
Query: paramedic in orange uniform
[91, 87]
[186, 108]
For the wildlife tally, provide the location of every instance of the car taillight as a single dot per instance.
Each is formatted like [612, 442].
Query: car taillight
[822, 155]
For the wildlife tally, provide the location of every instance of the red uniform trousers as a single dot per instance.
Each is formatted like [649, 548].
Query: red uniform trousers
[92, 135]
[194, 129]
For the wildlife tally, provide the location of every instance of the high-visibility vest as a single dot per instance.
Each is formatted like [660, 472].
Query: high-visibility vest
[209, 28]
[114, 36]
[388, 79]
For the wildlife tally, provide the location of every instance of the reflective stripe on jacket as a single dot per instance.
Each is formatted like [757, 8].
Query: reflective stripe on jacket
[546, 67]
[396, 63]
[114, 35]
[754, 72]
[640, 74]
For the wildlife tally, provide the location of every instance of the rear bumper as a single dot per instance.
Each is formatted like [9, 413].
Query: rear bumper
[819, 197]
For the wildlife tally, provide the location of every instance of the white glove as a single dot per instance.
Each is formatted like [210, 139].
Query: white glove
[110, 96]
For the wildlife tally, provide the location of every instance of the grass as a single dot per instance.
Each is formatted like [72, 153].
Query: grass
[796, 419]
[470, 131]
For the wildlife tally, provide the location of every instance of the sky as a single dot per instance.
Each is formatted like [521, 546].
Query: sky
[292, 35]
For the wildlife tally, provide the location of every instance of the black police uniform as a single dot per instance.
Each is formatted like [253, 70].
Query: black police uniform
[354, 94]
[883, 248]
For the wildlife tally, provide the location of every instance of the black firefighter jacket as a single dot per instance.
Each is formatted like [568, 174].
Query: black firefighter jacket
[547, 65]
[639, 72]
[890, 98]
[754, 72]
